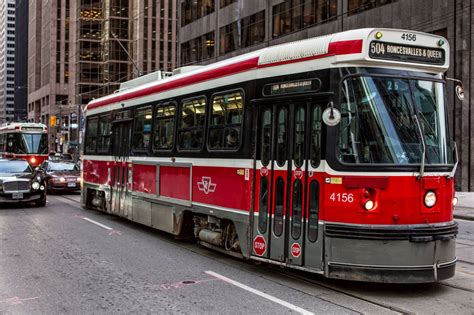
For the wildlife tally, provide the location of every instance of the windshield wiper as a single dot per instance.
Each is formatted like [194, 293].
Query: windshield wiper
[422, 166]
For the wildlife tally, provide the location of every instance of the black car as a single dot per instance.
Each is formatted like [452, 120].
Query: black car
[19, 183]
[61, 176]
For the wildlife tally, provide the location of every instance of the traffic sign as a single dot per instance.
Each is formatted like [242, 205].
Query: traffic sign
[296, 250]
[259, 245]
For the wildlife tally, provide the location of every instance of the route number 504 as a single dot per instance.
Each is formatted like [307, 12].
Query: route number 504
[342, 197]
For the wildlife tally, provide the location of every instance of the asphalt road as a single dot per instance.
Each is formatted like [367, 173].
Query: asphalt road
[64, 259]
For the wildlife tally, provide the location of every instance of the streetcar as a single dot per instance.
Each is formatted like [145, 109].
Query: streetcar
[330, 155]
[27, 141]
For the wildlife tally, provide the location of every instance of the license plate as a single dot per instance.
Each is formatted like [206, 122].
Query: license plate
[71, 184]
[17, 195]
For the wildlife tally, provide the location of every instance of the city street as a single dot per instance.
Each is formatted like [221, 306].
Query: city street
[64, 259]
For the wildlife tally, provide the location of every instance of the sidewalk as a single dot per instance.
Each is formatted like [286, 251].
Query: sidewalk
[465, 207]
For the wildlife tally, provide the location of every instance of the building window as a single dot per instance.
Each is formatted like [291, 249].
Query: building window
[198, 49]
[226, 121]
[356, 6]
[193, 10]
[293, 15]
[225, 3]
[229, 37]
[193, 117]
[253, 29]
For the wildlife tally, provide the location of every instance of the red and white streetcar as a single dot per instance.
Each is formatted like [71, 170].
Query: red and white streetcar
[330, 155]
[27, 141]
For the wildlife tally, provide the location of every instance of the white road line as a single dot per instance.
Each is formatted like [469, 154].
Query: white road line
[259, 293]
[97, 223]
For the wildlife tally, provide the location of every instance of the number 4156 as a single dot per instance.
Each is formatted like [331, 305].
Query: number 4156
[342, 197]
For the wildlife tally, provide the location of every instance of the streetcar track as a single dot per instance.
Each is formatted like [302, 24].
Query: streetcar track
[288, 273]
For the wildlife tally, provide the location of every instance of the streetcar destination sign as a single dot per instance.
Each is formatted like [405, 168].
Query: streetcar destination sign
[292, 87]
[406, 53]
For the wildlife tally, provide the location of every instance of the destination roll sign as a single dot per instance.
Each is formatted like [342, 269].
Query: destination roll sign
[406, 53]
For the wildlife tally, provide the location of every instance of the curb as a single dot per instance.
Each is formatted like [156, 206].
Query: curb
[464, 217]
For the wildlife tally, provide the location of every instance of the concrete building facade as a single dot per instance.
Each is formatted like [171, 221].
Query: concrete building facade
[81, 50]
[7, 60]
[212, 30]
[21, 60]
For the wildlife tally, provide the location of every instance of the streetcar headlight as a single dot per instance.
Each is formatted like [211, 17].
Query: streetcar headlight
[35, 185]
[369, 205]
[430, 199]
[378, 35]
[455, 201]
[33, 160]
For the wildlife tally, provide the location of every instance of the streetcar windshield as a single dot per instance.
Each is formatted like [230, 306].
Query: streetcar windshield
[379, 126]
[27, 143]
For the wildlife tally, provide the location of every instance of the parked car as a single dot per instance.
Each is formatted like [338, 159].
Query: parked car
[61, 175]
[19, 183]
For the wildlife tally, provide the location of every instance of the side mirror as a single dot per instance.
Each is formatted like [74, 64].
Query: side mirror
[331, 116]
[459, 88]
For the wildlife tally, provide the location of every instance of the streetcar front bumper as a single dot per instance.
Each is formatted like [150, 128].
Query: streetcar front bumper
[392, 254]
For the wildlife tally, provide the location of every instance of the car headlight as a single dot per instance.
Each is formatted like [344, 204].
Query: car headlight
[430, 199]
[35, 185]
[61, 180]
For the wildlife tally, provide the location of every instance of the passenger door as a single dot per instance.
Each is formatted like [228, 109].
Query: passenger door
[120, 172]
[287, 185]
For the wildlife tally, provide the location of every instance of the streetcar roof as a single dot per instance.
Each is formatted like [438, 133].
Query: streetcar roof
[26, 127]
[349, 48]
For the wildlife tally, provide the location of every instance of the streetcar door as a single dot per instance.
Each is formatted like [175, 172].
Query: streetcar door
[313, 232]
[304, 246]
[286, 208]
[271, 182]
[120, 169]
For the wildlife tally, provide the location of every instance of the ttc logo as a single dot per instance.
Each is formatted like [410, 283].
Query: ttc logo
[206, 185]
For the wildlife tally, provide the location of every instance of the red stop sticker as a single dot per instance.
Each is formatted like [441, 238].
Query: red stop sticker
[259, 245]
[296, 250]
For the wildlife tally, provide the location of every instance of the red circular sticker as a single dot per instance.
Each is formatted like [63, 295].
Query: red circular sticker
[296, 250]
[259, 245]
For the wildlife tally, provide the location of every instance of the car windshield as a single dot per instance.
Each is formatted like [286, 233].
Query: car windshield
[15, 167]
[378, 123]
[27, 143]
[63, 166]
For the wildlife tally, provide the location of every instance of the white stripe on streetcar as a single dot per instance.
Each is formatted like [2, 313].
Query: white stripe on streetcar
[259, 293]
[97, 223]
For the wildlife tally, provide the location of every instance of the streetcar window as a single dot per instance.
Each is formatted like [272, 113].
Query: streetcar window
[104, 131]
[263, 209]
[299, 137]
[226, 121]
[2, 143]
[142, 129]
[266, 136]
[91, 135]
[193, 117]
[297, 209]
[385, 119]
[313, 211]
[164, 127]
[315, 141]
[279, 201]
[281, 152]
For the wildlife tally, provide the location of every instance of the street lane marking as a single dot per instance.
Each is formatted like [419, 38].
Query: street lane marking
[259, 293]
[111, 230]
